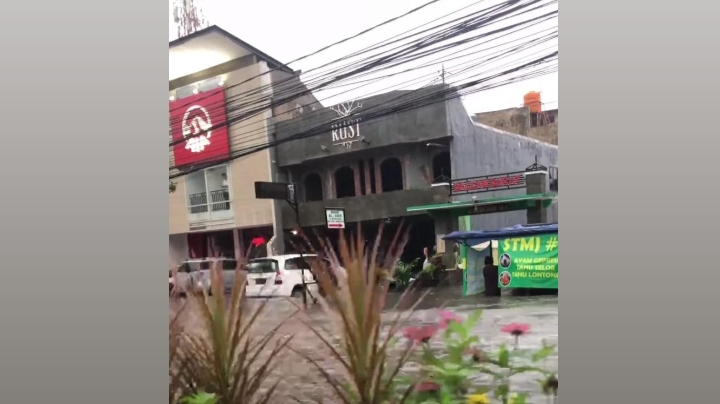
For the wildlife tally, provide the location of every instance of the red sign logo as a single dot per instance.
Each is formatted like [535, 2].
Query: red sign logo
[486, 184]
[198, 127]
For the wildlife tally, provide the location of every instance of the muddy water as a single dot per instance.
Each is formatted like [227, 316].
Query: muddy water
[298, 378]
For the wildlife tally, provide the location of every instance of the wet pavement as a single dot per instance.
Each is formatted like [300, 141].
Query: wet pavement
[299, 379]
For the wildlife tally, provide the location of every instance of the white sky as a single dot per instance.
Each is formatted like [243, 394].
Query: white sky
[288, 29]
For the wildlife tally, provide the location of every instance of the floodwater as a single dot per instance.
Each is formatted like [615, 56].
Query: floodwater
[298, 379]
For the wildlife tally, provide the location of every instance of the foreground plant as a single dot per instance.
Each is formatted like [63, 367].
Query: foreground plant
[226, 360]
[176, 334]
[452, 375]
[200, 398]
[355, 299]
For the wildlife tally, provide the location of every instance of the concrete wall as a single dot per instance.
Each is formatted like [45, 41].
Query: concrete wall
[416, 160]
[513, 120]
[285, 84]
[424, 124]
[520, 121]
[479, 150]
[368, 207]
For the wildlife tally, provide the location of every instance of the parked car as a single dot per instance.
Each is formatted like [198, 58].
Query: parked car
[194, 275]
[280, 276]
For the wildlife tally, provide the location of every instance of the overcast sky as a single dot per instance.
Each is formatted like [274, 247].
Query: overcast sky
[288, 29]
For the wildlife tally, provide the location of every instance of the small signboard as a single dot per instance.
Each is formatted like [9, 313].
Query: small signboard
[274, 190]
[335, 218]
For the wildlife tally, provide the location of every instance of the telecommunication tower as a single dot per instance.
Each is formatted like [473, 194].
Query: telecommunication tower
[188, 16]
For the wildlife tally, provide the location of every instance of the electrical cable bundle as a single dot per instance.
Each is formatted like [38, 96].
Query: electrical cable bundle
[478, 29]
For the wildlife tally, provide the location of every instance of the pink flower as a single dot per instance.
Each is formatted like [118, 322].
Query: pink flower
[427, 386]
[446, 317]
[516, 329]
[420, 334]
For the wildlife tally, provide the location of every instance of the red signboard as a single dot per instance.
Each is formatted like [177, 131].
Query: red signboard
[197, 124]
[484, 184]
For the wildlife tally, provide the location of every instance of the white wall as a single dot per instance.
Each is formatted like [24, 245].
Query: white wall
[178, 248]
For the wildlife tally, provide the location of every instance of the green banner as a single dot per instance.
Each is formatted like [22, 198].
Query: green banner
[529, 262]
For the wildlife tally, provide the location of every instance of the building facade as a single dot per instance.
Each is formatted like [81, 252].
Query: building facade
[375, 169]
[223, 95]
[227, 97]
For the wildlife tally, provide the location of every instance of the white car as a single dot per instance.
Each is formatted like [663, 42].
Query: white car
[280, 276]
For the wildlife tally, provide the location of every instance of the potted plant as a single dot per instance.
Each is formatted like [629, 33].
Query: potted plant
[404, 273]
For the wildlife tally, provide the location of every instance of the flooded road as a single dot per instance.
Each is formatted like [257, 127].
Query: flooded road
[298, 379]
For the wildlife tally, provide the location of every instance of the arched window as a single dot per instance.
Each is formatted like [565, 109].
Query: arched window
[313, 188]
[441, 167]
[391, 175]
[345, 182]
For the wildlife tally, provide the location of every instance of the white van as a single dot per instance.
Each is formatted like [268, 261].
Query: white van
[280, 276]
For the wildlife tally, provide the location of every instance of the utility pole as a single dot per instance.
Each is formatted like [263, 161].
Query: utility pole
[442, 73]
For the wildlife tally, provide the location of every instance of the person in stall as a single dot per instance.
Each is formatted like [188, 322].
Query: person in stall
[490, 274]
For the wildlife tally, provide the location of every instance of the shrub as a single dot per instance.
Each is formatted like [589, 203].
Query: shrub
[225, 359]
[357, 303]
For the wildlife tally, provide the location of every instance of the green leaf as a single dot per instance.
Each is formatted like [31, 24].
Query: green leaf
[527, 369]
[473, 319]
[502, 391]
[543, 353]
[482, 390]
[200, 398]
[457, 329]
[518, 398]
[504, 357]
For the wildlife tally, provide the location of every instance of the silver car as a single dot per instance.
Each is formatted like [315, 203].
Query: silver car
[194, 275]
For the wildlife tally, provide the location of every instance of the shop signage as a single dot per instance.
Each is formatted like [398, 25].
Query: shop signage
[529, 262]
[198, 128]
[488, 183]
[495, 208]
[347, 131]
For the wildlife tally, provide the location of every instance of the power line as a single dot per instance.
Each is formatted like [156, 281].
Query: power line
[261, 132]
[337, 43]
[270, 104]
[421, 100]
[248, 139]
[309, 82]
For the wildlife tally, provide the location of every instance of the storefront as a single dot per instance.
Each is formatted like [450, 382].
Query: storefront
[526, 257]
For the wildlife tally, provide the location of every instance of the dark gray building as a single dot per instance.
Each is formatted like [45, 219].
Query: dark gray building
[376, 168]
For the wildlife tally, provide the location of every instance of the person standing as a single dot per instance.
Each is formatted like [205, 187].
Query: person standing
[426, 254]
[225, 191]
[490, 274]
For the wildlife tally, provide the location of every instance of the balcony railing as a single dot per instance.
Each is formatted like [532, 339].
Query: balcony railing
[219, 201]
[215, 213]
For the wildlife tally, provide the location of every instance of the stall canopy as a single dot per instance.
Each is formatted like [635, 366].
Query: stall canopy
[475, 237]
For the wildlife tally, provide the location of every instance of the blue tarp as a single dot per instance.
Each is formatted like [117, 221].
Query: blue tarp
[475, 237]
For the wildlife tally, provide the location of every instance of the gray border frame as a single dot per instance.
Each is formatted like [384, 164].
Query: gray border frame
[85, 211]
[637, 85]
[85, 92]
